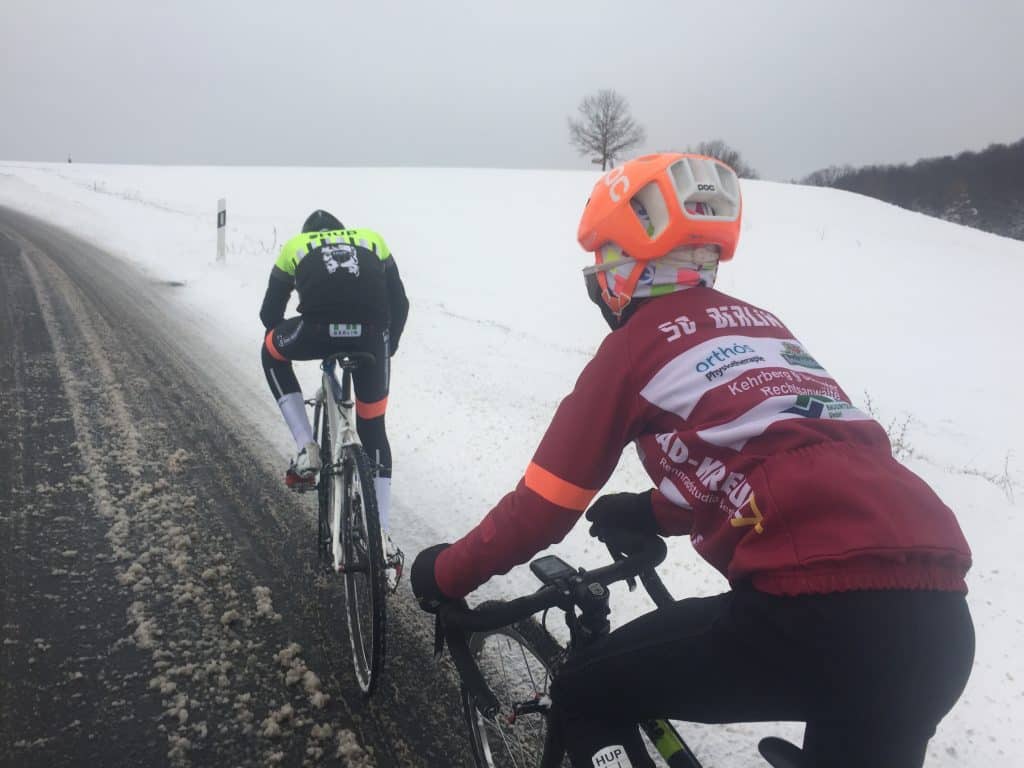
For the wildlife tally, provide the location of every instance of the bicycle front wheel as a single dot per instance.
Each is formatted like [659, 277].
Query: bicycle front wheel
[363, 568]
[516, 663]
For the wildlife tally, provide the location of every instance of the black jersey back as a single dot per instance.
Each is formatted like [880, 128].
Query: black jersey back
[340, 276]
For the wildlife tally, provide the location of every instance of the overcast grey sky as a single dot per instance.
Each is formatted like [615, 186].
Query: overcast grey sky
[794, 86]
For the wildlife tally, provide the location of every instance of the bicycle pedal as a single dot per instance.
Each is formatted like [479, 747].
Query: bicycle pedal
[395, 563]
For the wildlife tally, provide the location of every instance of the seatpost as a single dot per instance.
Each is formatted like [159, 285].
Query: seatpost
[330, 369]
[346, 388]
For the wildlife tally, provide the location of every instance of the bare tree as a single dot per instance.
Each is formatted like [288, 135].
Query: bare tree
[605, 128]
[828, 177]
[731, 157]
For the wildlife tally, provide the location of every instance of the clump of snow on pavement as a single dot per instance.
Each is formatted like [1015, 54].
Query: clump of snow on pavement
[265, 604]
[296, 671]
[351, 754]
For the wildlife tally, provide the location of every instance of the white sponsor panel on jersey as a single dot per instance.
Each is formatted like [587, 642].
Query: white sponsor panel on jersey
[736, 433]
[684, 380]
[670, 492]
[345, 330]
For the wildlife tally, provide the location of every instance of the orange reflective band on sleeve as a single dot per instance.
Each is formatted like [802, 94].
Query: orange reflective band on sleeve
[371, 410]
[269, 344]
[556, 490]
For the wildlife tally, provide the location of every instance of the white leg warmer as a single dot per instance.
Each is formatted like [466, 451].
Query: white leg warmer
[382, 485]
[294, 411]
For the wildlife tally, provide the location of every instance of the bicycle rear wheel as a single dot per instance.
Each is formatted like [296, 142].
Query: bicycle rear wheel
[517, 664]
[363, 568]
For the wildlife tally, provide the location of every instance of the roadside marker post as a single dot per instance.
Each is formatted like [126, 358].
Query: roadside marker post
[222, 225]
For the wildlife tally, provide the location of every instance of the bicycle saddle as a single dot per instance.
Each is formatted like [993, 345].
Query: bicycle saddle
[351, 359]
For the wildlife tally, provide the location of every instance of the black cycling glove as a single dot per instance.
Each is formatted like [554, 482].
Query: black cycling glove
[629, 512]
[423, 581]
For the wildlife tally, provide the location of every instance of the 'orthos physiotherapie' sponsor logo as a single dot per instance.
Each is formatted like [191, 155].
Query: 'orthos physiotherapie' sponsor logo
[725, 357]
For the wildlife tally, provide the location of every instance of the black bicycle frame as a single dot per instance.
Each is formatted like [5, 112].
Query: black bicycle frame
[586, 590]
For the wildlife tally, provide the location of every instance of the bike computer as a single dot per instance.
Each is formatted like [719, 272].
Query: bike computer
[551, 568]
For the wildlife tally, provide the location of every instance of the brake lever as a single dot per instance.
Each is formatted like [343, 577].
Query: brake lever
[617, 556]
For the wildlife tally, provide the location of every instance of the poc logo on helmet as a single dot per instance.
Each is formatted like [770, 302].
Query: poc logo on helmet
[705, 187]
[615, 178]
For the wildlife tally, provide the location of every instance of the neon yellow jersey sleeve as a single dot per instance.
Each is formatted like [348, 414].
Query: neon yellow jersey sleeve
[368, 239]
[291, 253]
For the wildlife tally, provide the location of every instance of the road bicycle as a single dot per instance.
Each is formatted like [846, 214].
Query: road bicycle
[506, 661]
[349, 540]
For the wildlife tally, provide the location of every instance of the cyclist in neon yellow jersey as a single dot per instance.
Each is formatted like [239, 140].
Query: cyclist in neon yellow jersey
[351, 299]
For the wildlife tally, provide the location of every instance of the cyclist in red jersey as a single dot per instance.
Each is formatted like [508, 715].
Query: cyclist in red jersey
[847, 605]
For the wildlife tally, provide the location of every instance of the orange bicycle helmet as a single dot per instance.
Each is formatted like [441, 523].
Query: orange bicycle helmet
[654, 205]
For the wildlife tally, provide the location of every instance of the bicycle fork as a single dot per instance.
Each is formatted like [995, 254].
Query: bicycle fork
[591, 624]
[669, 744]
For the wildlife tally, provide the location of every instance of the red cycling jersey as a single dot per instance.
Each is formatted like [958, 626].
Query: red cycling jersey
[755, 452]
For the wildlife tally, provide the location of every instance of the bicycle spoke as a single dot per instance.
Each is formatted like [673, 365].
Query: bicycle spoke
[526, 663]
[519, 679]
[508, 746]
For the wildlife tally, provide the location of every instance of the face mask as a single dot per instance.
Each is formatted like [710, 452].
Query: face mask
[676, 271]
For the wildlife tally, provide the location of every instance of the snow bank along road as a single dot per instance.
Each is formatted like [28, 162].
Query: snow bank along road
[158, 601]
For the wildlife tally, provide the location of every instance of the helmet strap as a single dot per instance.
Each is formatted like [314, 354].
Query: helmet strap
[618, 302]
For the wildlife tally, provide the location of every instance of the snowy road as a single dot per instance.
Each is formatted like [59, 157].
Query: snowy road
[158, 605]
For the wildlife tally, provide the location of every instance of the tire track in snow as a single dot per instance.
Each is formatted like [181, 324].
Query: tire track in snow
[152, 536]
[210, 552]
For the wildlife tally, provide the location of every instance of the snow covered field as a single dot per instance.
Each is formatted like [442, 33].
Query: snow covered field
[917, 319]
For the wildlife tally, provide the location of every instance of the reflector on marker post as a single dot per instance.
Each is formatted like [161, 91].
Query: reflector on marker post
[222, 223]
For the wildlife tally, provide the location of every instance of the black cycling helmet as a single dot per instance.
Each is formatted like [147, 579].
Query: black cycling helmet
[321, 221]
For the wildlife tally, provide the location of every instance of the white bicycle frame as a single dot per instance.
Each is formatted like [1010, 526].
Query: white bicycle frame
[340, 415]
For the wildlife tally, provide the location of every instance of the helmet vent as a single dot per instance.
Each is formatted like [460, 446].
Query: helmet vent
[651, 209]
[702, 180]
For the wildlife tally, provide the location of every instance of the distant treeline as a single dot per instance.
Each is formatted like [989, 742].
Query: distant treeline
[979, 189]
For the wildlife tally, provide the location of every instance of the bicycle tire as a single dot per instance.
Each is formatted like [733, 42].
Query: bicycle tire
[363, 573]
[517, 663]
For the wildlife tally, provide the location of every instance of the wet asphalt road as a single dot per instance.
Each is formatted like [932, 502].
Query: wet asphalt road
[159, 604]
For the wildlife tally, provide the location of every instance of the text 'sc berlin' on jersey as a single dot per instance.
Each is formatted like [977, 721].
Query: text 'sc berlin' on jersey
[754, 449]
